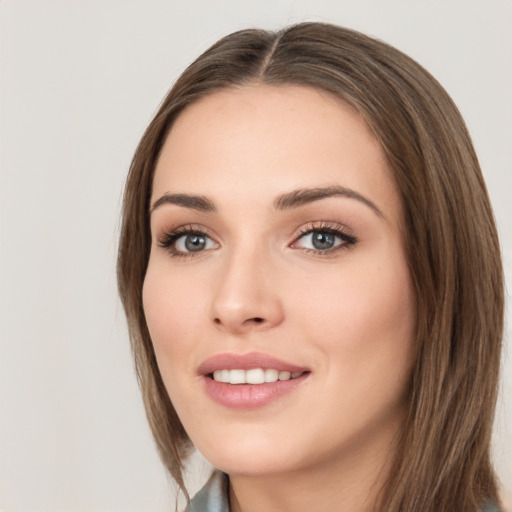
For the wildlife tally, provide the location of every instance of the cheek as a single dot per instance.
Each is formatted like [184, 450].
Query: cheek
[363, 315]
[171, 300]
[172, 306]
[172, 309]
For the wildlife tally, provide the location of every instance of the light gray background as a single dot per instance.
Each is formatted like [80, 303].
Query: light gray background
[79, 81]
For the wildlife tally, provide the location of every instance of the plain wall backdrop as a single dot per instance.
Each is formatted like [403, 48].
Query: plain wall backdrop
[79, 81]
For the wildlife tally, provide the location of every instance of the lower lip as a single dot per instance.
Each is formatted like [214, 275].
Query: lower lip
[250, 396]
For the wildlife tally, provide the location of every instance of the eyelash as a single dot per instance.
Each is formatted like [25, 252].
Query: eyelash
[337, 230]
[168, 240]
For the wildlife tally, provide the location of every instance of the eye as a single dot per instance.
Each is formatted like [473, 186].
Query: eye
[193, 242]
[186, 241]
[322, 240]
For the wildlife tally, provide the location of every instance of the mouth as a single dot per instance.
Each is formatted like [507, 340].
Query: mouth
[249, 381]
[253, 376]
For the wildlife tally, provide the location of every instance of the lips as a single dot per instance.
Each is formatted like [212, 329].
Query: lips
[249, 380]
[246, 362]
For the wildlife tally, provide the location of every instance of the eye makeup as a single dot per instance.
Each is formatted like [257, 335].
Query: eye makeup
[317, 238]
[324, 238]
[187, 241]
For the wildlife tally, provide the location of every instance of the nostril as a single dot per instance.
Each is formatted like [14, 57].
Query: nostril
[246, 323]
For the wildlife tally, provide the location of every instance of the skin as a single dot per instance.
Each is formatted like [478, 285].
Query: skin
[259, 284]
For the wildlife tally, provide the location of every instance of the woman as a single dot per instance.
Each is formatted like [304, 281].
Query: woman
[312, 280]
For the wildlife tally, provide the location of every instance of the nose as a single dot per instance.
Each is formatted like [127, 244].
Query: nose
[247, 297]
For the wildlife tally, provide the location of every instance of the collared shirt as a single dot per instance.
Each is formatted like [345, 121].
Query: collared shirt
[214, 496]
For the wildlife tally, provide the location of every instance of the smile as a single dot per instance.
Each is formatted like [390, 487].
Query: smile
[253, 376]
[248, 381]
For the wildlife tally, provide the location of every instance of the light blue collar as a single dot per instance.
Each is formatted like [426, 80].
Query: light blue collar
[213, 497]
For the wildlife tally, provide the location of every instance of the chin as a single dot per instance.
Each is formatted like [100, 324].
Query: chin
[240, 465]
[249, 457]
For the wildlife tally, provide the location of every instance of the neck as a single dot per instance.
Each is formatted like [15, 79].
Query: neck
[347, 483]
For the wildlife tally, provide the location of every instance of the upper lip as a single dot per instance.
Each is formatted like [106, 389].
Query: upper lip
[230, 361]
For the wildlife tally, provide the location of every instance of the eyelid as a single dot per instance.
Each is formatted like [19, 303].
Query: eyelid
[335, 228]
[321, 225]
[169, 236]
[167, 239]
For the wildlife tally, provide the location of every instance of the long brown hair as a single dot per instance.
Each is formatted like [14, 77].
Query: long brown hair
[443, 463]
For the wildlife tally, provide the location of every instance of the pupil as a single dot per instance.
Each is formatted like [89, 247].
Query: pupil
[323, 240]
[195, 242]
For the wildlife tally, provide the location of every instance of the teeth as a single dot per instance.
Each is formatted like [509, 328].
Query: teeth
[236, 377]
[252, 376]
[221, 375]
[255, 376]
[271, 375]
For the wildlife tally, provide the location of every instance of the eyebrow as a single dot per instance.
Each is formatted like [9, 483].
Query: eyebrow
[199, 203]
[303, 196]
[287, 201]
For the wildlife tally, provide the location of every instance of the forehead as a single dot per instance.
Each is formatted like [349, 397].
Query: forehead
[260, 141]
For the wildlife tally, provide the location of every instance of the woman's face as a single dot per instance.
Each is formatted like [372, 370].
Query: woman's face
[277, 254]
